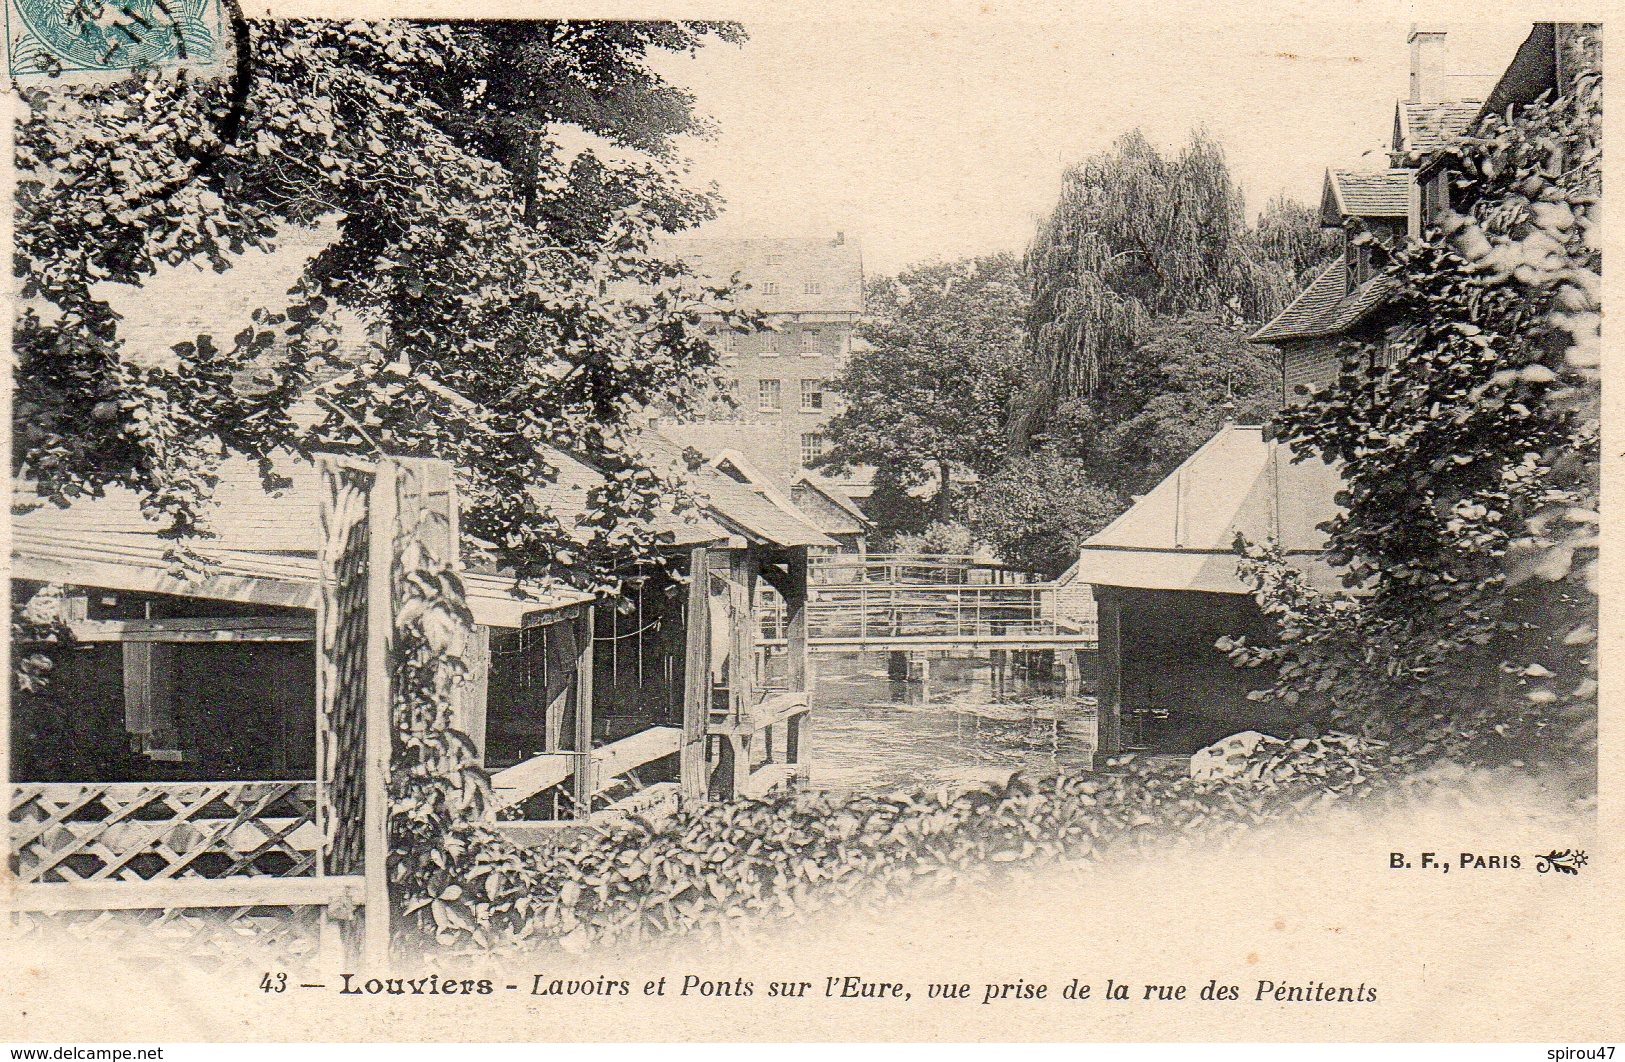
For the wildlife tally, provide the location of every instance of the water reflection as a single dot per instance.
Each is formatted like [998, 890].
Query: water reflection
[976, 721]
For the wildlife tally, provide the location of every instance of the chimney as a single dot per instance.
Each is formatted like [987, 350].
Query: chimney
[1427, 64]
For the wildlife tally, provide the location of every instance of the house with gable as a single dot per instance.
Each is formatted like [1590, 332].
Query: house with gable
[1164, 573]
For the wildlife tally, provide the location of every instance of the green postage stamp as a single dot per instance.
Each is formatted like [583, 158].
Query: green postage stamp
[78, 38]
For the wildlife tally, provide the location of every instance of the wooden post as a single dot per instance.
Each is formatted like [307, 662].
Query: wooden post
[742, 566]
[796, 632]
[412, 499]
[1109, 698]
[383, 521]
[585, 783]
[470, 709]
[696, 675]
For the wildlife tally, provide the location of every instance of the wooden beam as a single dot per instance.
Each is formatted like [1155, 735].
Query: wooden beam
[795, 603]
[774, 709]
[471, 696]
[584, 706]
[1109, 710]
[696, 673]
[213, 629]
[530, 777]
[742, 568]
[382, 521]
[189, 892]
[541, 772]
[634, 751]
[780, 579]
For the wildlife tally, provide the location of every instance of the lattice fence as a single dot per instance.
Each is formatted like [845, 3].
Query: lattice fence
[141, 831]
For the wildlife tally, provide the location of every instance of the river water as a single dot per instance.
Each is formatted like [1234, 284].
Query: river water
[979, 723]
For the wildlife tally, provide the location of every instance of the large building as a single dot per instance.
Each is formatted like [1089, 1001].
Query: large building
[810, 295]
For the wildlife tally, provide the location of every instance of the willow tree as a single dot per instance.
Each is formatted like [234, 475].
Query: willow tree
[1138, 235]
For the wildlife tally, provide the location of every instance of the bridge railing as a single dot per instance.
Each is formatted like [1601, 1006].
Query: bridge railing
[877, 611]
[910, 569]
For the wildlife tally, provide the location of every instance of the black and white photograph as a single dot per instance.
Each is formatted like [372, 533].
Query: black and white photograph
[962, 522]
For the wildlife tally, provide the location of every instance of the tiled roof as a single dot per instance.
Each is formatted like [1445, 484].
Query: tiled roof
[1425, 127]
[1326, 307]
[832, 490]
[1179, 536]
[1386, 194]
[737, 504]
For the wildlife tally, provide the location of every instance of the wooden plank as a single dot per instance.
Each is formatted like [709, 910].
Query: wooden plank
[742, 568]
[583, 735]
[383, 523]
[204, 629]
[549, 769]
[190, 892]
[696, 674]
[633, 751]
[765, 779]
[152, 576]
[540, 772]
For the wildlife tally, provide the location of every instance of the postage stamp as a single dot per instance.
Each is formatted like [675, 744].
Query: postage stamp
[64, 38]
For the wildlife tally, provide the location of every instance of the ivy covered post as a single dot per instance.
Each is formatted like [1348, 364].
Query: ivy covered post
[395, 642]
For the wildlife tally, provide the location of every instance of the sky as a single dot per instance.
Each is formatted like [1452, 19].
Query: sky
[945, 138]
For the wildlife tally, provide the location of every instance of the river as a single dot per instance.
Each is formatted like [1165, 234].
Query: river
[871, 732]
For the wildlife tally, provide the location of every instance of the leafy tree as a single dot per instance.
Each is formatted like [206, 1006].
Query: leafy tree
[930, 395]
[476, 255]
[1188, 376]
[1039, 508]
[1136, 236]
[1470, 456]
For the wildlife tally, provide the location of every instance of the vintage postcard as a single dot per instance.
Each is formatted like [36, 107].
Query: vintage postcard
[931, 523]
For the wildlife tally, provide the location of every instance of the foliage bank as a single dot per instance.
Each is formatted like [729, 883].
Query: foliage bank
[1468, 442]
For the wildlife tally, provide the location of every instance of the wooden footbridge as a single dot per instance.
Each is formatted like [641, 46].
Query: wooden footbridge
[934, 602]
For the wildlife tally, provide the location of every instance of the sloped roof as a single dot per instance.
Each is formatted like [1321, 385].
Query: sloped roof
[1180, 535]
[832, 490]
[1427, 127]
[139, 562]
[1326, 307]
[287, 520]
[1386, 194]
[810, 496]
[746, 508]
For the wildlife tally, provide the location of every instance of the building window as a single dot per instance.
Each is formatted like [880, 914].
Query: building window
[809, 343]
[813, 445]
[775, 259]
[769, 395]
[728, 343]
[812, 287]
[770, 287]
[812, 395]
[768, 351]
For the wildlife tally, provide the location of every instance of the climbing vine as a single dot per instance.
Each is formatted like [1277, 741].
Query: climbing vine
[1468, 442]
